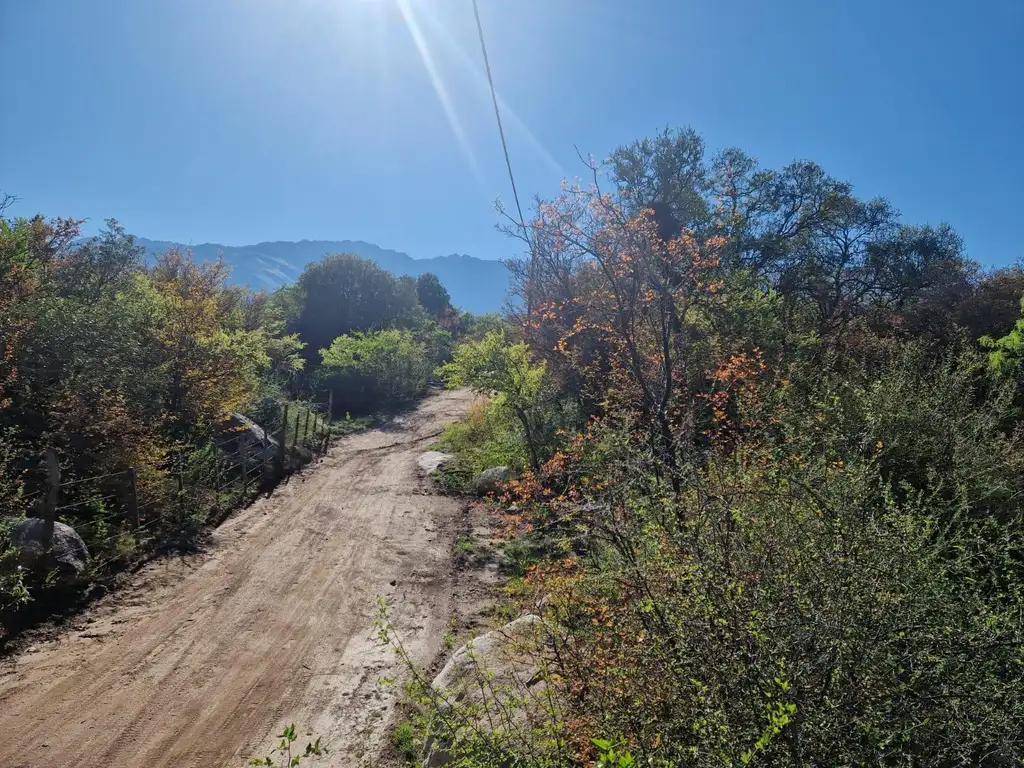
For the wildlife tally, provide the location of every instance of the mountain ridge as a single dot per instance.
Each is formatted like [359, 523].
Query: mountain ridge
[478, 285]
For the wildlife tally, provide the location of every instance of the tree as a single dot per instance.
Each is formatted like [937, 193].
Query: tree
[992, 303]
[212, 366]
[623, 306]
[101, 264]
[789, 531]
[30, 251]
[266, 314]
[494, 367]
[1007, 352]
[367, 370]
[432, 295]
[343, 294]
[667, 175]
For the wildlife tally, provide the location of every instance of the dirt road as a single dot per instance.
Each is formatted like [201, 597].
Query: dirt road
[205, 657]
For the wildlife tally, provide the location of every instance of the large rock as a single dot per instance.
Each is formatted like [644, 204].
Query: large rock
[238, 433]
[431, 461]
[67, 556]
[491, 480]
[494, 678]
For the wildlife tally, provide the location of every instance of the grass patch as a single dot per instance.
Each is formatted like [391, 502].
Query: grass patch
[350, 424]
[452, 480]
[485, 438]
[406, 743]
[472, 552]
[518, 554]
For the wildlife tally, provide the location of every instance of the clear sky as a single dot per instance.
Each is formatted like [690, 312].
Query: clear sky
[237, 121]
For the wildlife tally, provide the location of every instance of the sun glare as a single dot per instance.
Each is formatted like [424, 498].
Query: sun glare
[408, 14]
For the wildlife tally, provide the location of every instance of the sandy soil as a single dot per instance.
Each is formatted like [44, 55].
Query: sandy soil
[204, 658]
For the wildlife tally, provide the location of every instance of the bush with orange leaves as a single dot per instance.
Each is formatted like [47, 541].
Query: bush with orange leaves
[801, 555]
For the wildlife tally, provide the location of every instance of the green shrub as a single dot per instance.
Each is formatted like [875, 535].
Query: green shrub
[13, 591]
[800, 619]
[369, 370]
[486, 437]
[406, 742]
[492, 366]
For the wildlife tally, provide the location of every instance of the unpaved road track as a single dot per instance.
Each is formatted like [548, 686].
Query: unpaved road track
[204, 658]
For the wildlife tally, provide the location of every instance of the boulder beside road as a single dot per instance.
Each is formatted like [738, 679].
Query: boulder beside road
[491, 480]
[493, 678]
[431, 461]
[67, 556]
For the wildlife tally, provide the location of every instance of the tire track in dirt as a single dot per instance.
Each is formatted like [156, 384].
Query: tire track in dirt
[204, 658]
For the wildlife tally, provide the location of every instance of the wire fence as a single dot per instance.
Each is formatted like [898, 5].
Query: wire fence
[121, 515]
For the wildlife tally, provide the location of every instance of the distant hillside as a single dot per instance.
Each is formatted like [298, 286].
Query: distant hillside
[475, 284]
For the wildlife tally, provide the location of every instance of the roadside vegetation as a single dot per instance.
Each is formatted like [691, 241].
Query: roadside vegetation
[148, 381]
[767, 444]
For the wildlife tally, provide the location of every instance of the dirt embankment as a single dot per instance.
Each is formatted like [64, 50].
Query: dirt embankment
[205, 657]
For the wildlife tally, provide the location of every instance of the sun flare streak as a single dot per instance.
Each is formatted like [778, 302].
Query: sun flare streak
[439, 87]
[469, 65]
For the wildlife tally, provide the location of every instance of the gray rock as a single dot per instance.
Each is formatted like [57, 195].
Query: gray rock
[495, 673]
[240, 433]
[431, 461]
[68, 554]
[491, 480]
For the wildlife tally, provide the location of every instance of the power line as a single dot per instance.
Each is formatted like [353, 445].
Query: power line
[508, 161]
[497, 114]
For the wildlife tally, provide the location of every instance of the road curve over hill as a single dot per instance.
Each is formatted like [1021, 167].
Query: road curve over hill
[203, 658]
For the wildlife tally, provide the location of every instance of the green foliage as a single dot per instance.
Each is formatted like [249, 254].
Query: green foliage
[478, 326]
[114, 365]
[789, 531]
[1007, 352]
[345, 294]
[796, 613]
[368, 370]
[437, 342]
[485, 437]
[350, 424]
[282, 756]
[13, 591]
[493, 367]
[432, 295]
[609, 757]
[213, 364]
[406, 743]
[471, 733]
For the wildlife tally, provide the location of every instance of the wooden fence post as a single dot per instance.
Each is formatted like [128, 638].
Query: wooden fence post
[218, 473]
[305, 428]
[181, 499]
[50, 503]
[263, 457]
[281, 453]
[133, 501]
[295, 439]
[245, 469]
[330, 418]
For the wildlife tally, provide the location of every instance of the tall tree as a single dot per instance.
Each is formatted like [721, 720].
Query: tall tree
[432, 295]
[212, 364]
[344, 293]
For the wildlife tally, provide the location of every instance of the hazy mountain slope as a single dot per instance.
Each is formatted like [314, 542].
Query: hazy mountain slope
[475, 284]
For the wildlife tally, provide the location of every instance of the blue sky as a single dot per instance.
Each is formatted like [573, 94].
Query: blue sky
[237, 121]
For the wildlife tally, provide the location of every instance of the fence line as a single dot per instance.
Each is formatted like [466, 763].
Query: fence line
[247, 468]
